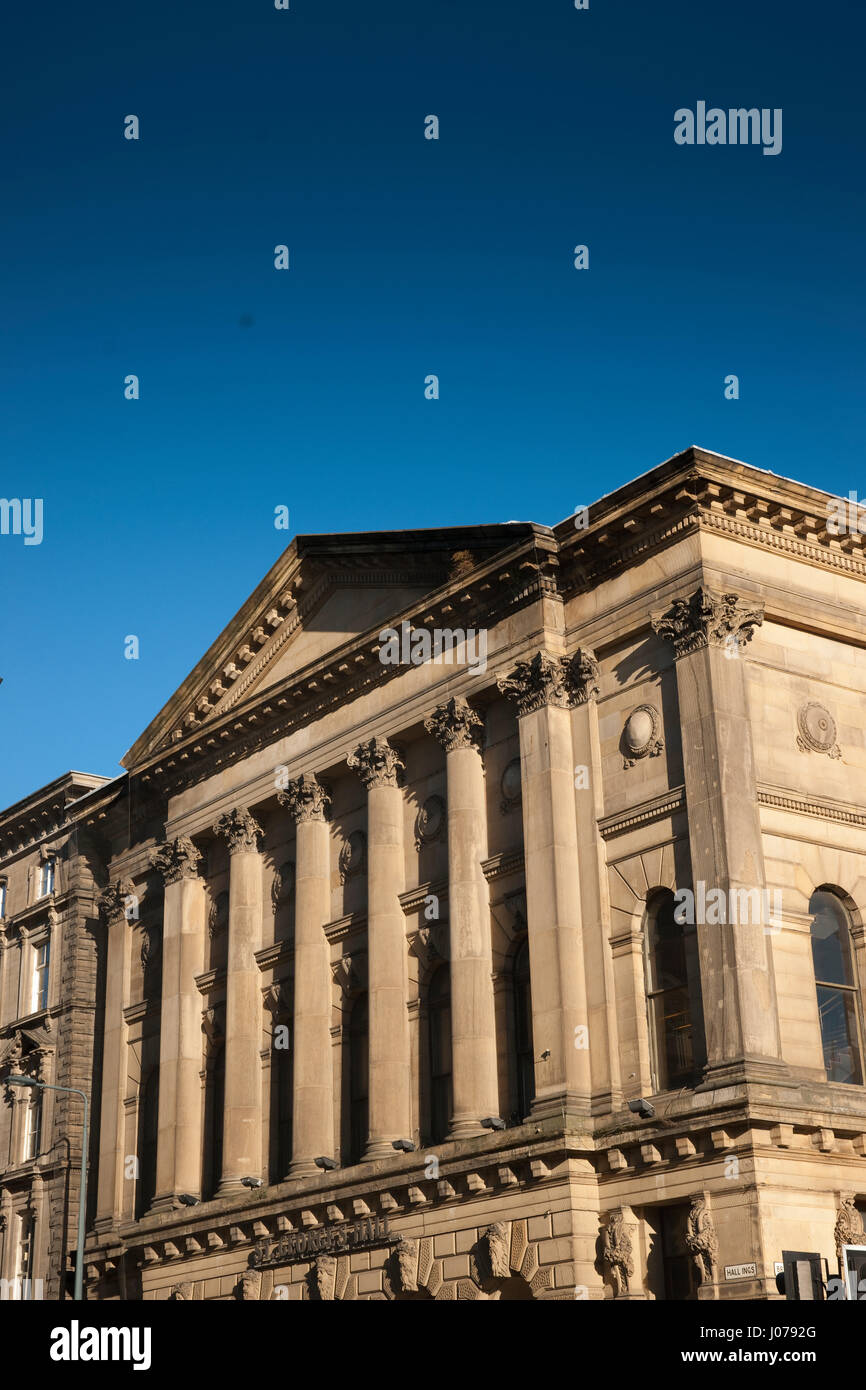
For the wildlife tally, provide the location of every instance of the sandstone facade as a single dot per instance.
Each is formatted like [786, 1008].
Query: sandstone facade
[398, 1000]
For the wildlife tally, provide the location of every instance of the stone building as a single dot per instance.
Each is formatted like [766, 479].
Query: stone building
[50, 1030]
[528, 967]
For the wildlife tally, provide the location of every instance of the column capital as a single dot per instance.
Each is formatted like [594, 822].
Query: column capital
[541, 681]
[240, 829]
[454, 724]
[305, 798]
[176, 859]
[582, 676]
[114, 900]
[376, 763]
[706, 619]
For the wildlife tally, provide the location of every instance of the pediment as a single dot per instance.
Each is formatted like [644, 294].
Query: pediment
[321, 594]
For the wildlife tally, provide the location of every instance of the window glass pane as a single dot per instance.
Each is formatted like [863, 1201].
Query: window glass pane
[837, 1012]
[667, 955]
[830, 941]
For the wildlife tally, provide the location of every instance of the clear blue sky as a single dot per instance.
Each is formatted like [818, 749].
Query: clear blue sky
[408, 257]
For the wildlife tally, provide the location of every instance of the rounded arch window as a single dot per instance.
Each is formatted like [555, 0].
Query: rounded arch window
[836, 985]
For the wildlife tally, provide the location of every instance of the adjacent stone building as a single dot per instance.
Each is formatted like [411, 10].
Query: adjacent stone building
[50, 1030]
[484, 916]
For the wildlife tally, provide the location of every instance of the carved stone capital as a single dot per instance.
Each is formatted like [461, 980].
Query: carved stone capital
[536, 683]
[242, 832]
[305, 798]
[376, 763]
[706, 619]
[454, 724]
[115, 900]
[583, 674]
[176, 859]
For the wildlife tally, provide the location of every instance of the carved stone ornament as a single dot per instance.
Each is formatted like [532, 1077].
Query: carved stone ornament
[151, 944]
[212, 1027]
[706, 619]
[182, 1293]
[349, 972]
[455, 724]
[511, 787]
[250, 1285]
[701, 1241]
[640, 735]
[430, 822]
[275, 998]
[536, 683]
[242, 832]
[176, 859]
[377, 763]
[323, 1277]
[617, 1253]
[849, 1225]
[817, 730]
[584, 674]
[353, 855]
[283, 885]
[492, 1252]
[430, 944]
[218, 917]
[115, 900]
[305, 798]
[405, 1265]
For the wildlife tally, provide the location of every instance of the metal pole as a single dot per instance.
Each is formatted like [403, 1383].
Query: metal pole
[82, 1204]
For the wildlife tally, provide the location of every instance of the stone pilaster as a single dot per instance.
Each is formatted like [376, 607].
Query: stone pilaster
[378, 764]
[473, 1025]
[117, 906]
[583, 677]
[543, 691]
[313, 1080]
[709, 633]
[178, 1160]
[242, 1110]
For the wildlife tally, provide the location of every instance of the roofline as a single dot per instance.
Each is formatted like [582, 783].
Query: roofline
[50, 788]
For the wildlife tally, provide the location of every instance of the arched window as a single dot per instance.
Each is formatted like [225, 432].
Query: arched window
[673, 993]
[523, 1053]
[836, 983]
[359, 1066]
[441, 1095]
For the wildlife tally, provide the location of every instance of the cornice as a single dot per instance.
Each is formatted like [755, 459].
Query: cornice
[498, 865]
[763, 510]
[656, 809]
[415, 898]
[823, 808]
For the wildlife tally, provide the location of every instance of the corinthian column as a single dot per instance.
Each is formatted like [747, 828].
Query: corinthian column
[377, 764]
[473, 1021]
[117, 905]
[242, 1110]
[313, 1079]
[709, 633]
[178, 1151]
[542, 690]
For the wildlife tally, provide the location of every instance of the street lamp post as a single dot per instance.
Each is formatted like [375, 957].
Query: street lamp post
[82, 1187]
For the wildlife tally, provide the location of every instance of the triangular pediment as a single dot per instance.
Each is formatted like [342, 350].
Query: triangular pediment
[323, 592]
